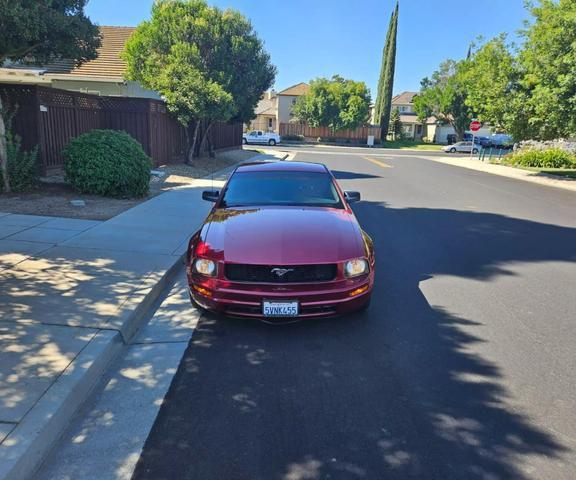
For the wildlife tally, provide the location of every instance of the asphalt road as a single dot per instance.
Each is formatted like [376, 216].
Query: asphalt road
[464, 367]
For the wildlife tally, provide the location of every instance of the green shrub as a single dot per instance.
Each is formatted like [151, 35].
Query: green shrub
[551, 158]
[293, 138]
[22, 166]
[107, 162]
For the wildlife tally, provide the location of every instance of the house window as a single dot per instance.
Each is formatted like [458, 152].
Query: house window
[270, 123]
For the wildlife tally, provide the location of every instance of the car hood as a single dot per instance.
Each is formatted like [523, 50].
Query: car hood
[284, 235]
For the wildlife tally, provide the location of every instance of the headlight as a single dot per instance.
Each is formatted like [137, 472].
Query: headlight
[205, 267]
[353, 268]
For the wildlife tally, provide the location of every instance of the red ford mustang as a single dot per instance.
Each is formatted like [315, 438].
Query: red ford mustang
[281, 242]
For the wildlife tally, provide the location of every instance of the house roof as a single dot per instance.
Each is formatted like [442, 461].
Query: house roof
[296, 90]
[409, 118]
[108, 63]
[404, 98]
[266, 106]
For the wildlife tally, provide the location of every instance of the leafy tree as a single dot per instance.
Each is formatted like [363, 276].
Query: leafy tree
[337, 103]
[490, 79]
[37, 31]
[383, 106]
[207, 63]
[444, 96]
[548, 65]
[395, 124]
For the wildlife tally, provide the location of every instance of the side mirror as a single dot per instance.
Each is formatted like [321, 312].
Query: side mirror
[211, 195]
[352, 197]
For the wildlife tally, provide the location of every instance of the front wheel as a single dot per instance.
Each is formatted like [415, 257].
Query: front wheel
[452, 150]
[475, 151]
[271, 142]
[244, 141]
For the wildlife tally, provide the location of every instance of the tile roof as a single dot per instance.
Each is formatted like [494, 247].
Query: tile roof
[108, 63]
[296, 90]
[405, 98]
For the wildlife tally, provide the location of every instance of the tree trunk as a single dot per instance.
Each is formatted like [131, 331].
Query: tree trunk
[192, 147]
[205, 136]
[3, 151]
[459, 132]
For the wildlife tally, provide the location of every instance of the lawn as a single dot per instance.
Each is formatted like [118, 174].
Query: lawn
[411, 145]
[563, 172]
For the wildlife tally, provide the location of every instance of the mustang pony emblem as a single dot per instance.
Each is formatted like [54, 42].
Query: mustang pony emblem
[280, 272]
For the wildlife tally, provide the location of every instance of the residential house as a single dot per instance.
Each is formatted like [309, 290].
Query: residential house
[276, 108]
[411, 126]
[434, 130]
[101, 76]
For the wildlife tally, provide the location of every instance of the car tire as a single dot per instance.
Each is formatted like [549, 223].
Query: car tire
[452, 150]
[271, 142]
[475, 151]
[244, 141]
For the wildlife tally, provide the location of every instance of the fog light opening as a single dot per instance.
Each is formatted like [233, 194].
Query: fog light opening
[358, 291]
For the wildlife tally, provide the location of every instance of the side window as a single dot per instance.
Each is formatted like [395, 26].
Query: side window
[259, 133]
[253, 133]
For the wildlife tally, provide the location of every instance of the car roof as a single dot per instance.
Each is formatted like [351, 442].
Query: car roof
[282, 167]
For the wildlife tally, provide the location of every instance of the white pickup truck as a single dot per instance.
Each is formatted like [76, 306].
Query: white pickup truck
[258, 136]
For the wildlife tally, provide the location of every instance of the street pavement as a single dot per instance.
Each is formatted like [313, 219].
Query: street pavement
[462, 368]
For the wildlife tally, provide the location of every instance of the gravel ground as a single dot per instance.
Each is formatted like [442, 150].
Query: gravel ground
[53, 199]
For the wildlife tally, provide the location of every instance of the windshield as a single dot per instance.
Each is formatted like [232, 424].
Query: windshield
[281, 188]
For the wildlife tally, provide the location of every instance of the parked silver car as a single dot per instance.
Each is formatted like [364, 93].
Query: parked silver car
[462, 147]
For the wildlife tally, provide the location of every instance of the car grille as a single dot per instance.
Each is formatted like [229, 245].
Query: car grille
[281, 273]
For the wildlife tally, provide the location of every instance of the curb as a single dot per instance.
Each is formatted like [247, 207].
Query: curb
[134, 317]
[24, 449]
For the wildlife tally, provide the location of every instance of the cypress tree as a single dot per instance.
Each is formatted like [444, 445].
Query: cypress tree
[383, 107]
[378, 103]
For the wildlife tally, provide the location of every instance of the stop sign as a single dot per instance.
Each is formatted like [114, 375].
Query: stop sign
[475, 126]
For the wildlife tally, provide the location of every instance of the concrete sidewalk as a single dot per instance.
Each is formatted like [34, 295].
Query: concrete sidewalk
[73, 292]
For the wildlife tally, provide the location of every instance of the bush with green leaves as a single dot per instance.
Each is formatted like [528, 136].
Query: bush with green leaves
[109, 163]
[293, 138]
[551, 158]
[22, 165]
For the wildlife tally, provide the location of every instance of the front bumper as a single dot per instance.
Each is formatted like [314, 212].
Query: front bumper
[241, 299]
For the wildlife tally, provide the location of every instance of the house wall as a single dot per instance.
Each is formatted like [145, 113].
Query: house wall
[403, 107]
[263, 122]
[116, 89]
[441, 133]
[285, 106]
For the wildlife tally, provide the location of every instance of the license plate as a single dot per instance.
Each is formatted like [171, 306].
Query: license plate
[280, 309]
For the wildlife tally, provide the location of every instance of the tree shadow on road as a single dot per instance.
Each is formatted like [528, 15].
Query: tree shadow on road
[394, 393]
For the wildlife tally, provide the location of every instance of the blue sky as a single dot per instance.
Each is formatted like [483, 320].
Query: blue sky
[312, 38]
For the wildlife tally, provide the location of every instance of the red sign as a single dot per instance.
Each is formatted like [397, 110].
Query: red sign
[475, 126]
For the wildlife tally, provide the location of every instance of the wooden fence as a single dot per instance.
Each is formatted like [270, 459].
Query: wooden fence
[50, 118]
[358, 134]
